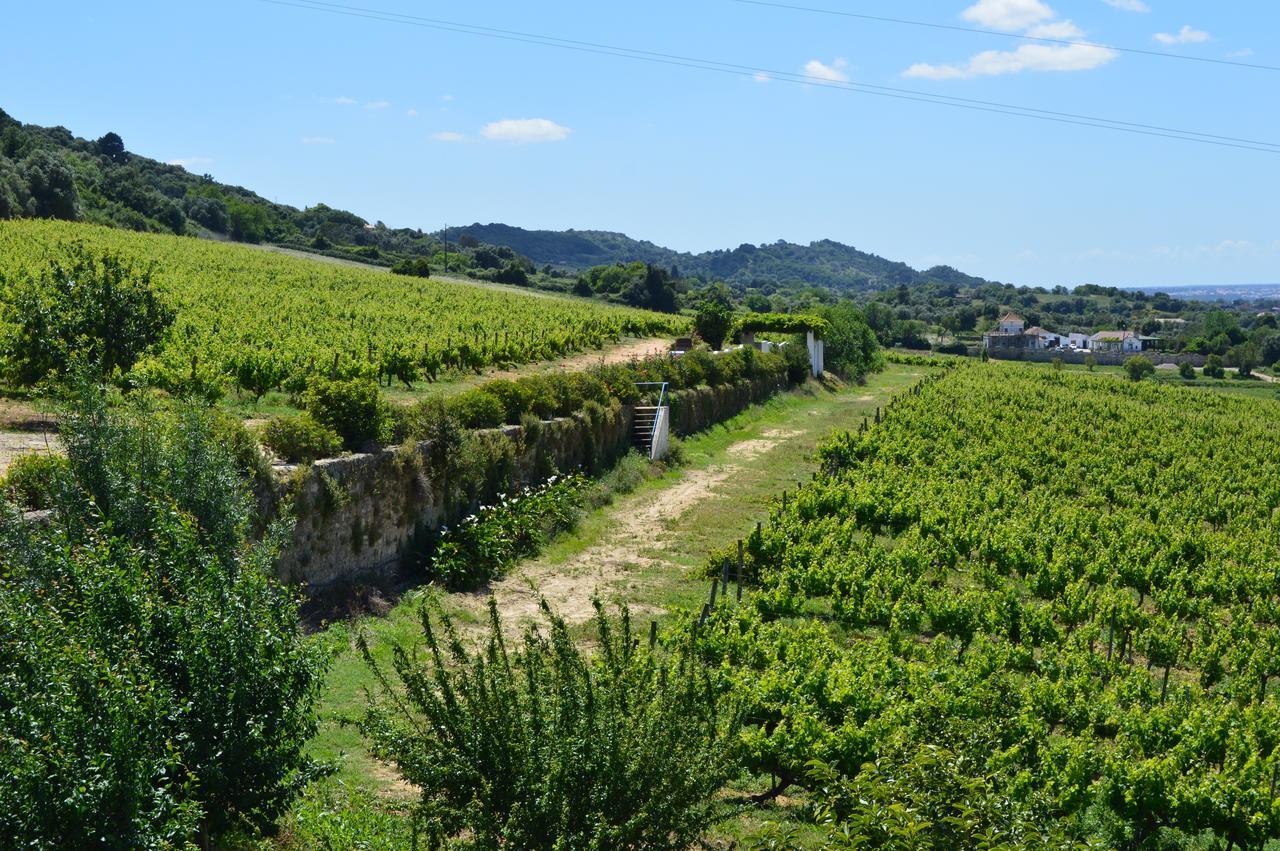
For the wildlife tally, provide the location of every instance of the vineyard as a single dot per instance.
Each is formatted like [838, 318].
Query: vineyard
[263, 319]
[1026, 609]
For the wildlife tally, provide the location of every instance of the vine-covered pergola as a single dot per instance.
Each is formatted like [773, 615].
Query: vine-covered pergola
[813, 327]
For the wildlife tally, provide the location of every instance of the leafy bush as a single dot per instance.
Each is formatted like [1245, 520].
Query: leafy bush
[85, 308]
[516, 398]
[545, 747]
[489, 541]
[353, 408]
[31, 480]
[477, 409]
[155, 686]
[300, 439]
[952, 348]
[1138, 368]
[1213, 367]
[712, 323]
[1186, 370]
[418, 267]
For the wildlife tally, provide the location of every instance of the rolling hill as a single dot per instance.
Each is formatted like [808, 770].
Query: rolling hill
[824, 263]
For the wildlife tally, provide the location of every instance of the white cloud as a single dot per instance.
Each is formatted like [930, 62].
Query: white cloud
[1028, 57]
[446, 98]
[832, 73]
[1061, 30]
[344, 101]
[1186, 35]
[1242, 53]
[1010, 15]
[377, 104]
[317, 140]
[760, 77]
[191, 162]
[411, 112]
[525, 130]
[448, 136]
[1128, 5]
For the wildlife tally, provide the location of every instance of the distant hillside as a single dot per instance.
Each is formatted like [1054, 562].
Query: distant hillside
[49, 173]
[824, 263]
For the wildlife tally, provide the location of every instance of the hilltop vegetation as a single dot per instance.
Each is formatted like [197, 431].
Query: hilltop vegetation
[824, 263]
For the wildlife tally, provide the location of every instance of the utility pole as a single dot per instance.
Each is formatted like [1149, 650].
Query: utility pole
[446, 248]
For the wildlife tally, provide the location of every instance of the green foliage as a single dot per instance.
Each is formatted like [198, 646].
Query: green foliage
[850, 347]
[1138, 368]
[477, 409]
[1025, 636]
[712, 323]
[353, 409]
[155, 687]
[31, 481]
[257, 315]
[1186, 370]
[85, 308]
[492, 539]
[546, 747]
[785, 323]
[636, 283]
[300, 439]
[417, 267]
[1213, 367]
[1090, 362]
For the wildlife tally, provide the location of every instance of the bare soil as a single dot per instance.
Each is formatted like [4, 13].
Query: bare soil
[641, 524]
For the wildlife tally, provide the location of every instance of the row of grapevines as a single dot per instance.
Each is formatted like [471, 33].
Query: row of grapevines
[262, 317]
[1059, 593]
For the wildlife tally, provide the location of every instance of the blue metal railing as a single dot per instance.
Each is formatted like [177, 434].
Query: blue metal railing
[662, 398]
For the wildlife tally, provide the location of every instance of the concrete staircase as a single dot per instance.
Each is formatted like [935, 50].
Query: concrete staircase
[642, 428]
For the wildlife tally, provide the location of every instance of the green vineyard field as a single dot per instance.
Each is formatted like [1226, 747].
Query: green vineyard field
[1028, 609]
[238, 306]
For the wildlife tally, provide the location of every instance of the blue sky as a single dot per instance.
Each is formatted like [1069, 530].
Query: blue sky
[420, 127]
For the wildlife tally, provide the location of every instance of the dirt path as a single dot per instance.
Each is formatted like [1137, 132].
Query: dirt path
[620, 353]
[16, 443]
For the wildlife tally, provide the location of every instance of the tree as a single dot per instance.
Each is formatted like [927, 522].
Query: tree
[1213, 367]
[850, 346]
[248, 222]
[1186, 370]
[156, 686]
[1139, 367]
[86, 308]
[1090, 362]
[51, 186]
[111, 146]
[714, 318]
[547, 747]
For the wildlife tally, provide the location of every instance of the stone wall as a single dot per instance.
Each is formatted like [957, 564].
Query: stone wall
[362, 516]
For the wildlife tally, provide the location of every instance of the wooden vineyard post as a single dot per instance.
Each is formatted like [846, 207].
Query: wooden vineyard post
[739, 570]
[653, 634]
[715, 584]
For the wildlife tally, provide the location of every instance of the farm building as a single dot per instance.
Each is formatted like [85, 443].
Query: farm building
[1121, 341]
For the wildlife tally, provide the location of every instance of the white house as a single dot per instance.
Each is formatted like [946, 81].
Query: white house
[1011, 323]
[1116, 341]
[1040, 338]
[1079, 341]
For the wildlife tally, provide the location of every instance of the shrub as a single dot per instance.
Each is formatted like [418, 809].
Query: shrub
[476, 409]
[1138, 368]
[542, 396]
[547, 747]
[1090, 362]
[713, 322]
[516, 399]
[1186, 370]
[87, 308]
[796, 357]
[155, 683]
[1057, 364]
[300, 439]
[353, 408]
[417, 267]
[952, 348]
[486, 543]
[1213, 367]
[31, 480]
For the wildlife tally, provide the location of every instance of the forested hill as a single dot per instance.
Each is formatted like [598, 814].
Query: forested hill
[823, 263]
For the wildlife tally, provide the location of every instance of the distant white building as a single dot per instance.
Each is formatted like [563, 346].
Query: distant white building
[1078, 341]
[1119, 341]
[1040, 338]
[1011, 323]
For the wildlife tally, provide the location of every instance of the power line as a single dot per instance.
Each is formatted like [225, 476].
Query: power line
[980, 31]
[914, 95]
